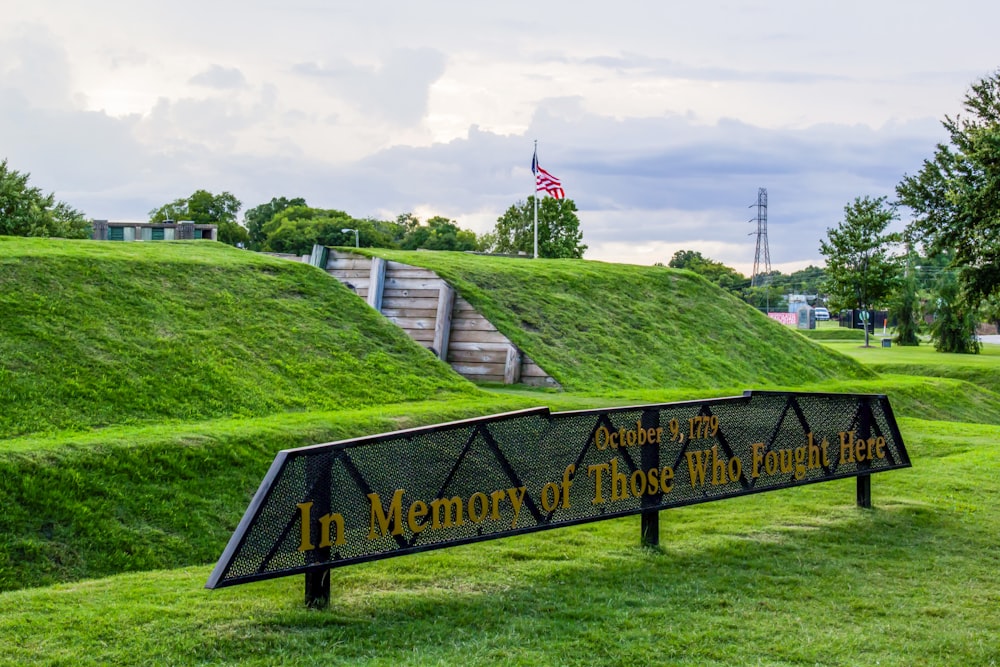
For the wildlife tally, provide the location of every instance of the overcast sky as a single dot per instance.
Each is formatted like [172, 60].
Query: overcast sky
[661, 118]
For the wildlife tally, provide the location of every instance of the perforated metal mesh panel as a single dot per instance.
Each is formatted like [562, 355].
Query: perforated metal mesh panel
[387, 495]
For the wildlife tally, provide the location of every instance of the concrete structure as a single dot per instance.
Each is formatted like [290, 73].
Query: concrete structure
[184, 230]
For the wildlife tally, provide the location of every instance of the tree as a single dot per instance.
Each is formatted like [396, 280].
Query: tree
[715, 272]
[258, 216]
[204, 208]
[296, 229]
[954, 325]
[559, 232]
[861, 270]
[439, 234]
[955, 197]
[804, 281]
[906, 305]
[27, 211]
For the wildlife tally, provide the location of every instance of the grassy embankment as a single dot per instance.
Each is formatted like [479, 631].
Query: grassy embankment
[607, 328]
[794, 577]
[96, 334]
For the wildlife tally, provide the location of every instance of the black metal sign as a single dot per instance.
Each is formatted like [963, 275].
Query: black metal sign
[397, 493]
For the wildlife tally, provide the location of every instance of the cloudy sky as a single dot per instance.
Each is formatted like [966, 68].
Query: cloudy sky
[661, 118]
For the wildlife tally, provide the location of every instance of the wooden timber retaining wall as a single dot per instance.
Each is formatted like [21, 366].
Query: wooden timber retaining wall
[427, 308]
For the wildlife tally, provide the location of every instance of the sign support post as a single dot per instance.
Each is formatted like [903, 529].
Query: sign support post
[650, 530]
[318, 589]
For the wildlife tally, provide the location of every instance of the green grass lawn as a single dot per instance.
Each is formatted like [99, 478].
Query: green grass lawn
[923, 360]
[787, 578]
[111, 522]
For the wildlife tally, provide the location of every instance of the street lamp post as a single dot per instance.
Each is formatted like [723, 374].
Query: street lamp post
[357, 242]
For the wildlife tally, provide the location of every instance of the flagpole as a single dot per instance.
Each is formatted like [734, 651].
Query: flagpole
[535, 197]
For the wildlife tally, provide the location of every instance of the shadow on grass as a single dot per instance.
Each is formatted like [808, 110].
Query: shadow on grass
[866, 569]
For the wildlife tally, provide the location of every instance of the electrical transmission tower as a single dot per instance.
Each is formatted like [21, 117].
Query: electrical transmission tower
[762, 258]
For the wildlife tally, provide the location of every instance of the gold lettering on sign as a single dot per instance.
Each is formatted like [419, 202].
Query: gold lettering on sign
[858, 450]
[627, 437]
[305, 516]
[443, 513]
[795, 460]
[640, 483]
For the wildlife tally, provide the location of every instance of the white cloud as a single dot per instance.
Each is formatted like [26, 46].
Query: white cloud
[661, 120]
[220, 78]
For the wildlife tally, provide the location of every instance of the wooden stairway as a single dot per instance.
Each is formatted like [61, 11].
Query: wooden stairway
[427, 308]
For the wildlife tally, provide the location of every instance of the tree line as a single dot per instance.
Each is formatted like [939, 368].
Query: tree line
[290, 225]
[773, 289]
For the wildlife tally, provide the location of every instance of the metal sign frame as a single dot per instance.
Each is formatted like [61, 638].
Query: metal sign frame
[387, 495]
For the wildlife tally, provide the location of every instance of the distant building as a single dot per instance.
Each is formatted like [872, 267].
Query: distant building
[796, 301]
[184, 230]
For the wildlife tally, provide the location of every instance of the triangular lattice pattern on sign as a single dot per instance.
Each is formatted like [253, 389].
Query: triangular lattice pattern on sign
[408, 491]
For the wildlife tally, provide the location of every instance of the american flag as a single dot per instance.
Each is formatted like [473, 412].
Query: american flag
[546, 181]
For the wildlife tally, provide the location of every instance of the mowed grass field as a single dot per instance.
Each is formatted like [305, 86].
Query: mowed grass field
[787, 578]
[128, 518]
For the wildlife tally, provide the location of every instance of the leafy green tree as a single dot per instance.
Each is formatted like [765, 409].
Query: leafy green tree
[990, 311]
[559, 232]
[955, 197]
[296, 229]
[390, 233]
[439, 234]
[26, 211]
[954, 325]
[205, 208]
[861, 270]
[804, 281]
[906, 305]
[767, 297]
[256, 217]
[712, 270]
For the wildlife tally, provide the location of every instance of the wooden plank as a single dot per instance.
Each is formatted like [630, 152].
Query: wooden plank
[463, 306]
[442, 323]
[399, 266]
[333, 264]
[463, 336]
[532, 370]
[377, 283]
[512, 366]
[419, 313]
[412, 272]
[406, 293]
[498, 356]
[401, 302]
[422, 323]
[413, 283]
[473, 324]
[349, 274]
[421, 336]
[479, 347]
